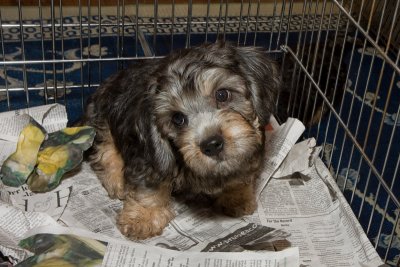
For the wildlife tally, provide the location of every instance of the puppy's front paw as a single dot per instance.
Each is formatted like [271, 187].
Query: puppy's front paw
[138, 222]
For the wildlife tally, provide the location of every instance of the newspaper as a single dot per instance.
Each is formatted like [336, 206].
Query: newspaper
[14, 223]
[310, 206]
[126, 253]
[301, 157]
[197, 229]
[20, 208]
[302, 218]
[51, 117]
[89, 207]
[279, 141]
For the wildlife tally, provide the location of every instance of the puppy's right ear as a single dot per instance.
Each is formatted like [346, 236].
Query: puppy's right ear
[264, 76]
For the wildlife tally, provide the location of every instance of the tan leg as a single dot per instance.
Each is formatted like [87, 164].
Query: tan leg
[108, 164]
[145, 213]
[237, 200]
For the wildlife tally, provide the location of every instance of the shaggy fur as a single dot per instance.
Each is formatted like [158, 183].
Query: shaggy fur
[191, 123]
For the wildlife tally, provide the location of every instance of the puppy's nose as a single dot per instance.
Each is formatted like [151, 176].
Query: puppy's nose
[212, 145]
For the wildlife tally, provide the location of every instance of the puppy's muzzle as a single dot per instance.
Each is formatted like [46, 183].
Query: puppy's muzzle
[212, 146]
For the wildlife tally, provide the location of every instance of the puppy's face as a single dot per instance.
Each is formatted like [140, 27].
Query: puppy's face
[210, 104]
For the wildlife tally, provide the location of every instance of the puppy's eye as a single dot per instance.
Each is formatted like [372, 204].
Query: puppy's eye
[179, 119]
[222, 95]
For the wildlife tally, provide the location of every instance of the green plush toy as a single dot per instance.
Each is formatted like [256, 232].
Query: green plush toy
[42, 159]
[19, 165]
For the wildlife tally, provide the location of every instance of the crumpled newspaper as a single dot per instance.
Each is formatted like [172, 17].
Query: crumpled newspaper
[42, 159]
[296, 160]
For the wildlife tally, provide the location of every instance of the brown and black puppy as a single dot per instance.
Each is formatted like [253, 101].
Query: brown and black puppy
[190, 123]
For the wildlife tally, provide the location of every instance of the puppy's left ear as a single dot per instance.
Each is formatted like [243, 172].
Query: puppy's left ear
[164, 158]
[163, 154]
[264, 77]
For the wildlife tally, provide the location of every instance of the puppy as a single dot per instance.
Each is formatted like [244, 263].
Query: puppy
[191, 123]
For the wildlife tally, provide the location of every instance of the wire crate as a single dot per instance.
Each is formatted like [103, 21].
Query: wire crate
[339, 61]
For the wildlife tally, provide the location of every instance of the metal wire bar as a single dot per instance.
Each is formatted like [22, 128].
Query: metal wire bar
[343, 96]
[315, 54]
[58, 24]
[225, 18]
[43, 52]
[53, 47]
[372, 41]
[347, 131]
[364, 95]
[155, 27]
[62, 51]
[89, 43]
[308, 61]
[272, 23]
[81, 60]
[256, 28]
[189, 23]
[4, 58]
[172, 26]
[295, 71]
[119, 33]
[329, 73]
[137, 30]
[240, 22]
[353, 93]
[278, 40]
[384, 111]
[41, 88]
[219, 18]
[391, 185]
[336, 80]
[290, 14]
[127, 23]
[247, 22]
[391, 239]
[379, 82]
[85, 60]
[320, 69]
[379, 133]
[123, 30]
[284, 54]
[99, 39]
[24, 76]
[81, 54]
[302, 46]
[207, 20]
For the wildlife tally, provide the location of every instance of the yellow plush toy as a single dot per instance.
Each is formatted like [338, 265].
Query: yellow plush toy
[42, 159]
